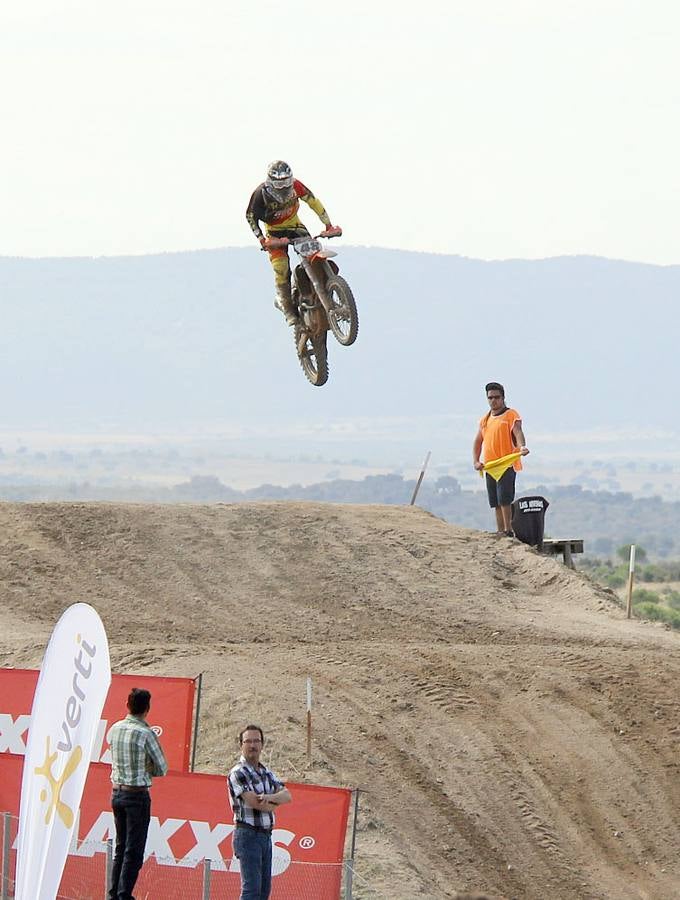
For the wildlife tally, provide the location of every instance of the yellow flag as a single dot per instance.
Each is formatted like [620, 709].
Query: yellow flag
[496, 467]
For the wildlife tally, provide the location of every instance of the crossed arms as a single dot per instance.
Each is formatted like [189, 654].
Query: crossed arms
[266, 802]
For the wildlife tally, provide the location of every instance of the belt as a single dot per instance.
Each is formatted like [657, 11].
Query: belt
[254, 827]
[130, 787]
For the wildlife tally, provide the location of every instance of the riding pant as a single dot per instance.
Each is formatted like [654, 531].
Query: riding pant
[279, 258]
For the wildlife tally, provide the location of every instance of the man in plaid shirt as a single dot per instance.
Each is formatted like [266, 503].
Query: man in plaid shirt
[136, 756]
[254, 793]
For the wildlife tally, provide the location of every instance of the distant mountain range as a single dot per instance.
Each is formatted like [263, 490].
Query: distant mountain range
[190, 340]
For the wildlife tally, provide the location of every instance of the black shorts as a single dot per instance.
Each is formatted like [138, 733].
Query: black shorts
[501, 492]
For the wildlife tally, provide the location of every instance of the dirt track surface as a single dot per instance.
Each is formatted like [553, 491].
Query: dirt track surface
[516, 737]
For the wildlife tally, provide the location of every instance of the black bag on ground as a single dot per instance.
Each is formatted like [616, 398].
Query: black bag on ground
[528, 519]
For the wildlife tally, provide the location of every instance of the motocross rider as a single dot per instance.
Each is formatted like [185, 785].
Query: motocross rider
[276, 202]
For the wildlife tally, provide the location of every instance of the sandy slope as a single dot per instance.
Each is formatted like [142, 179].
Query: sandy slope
[515, 735]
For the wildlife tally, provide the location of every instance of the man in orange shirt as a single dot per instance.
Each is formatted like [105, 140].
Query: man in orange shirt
[500, 434]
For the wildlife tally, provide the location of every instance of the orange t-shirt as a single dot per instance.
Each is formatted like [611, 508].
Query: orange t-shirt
[497, 436]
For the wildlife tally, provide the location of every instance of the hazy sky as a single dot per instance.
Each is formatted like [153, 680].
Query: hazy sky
[491, 129]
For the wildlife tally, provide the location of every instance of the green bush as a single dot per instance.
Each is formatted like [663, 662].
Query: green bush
[648, 573]
[624, 553]
[613, 580]
[642, 595]
[659, 571]
[650, 611]
[672, 598]
[658, 614]
[653, 572]
[671, 616]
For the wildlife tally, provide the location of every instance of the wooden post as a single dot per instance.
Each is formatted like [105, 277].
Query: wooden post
[566, 555]
[631, 578]
[309, 721]
[420, 477]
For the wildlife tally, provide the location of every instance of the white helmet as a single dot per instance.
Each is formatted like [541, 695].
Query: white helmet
[279, 181]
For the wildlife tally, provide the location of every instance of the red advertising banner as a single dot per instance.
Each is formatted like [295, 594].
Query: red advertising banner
[191, 821]
[172, 704]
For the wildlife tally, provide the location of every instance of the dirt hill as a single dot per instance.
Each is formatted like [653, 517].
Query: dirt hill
[514, 734]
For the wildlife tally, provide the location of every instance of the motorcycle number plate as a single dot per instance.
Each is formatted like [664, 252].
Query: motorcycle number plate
[308, 248]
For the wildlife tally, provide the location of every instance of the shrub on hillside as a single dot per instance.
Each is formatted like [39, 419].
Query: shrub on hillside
[624, 553]
[654, 572]
[672, 599]
[614, 579]
[642, 595]
[650, 611]
[658, 614]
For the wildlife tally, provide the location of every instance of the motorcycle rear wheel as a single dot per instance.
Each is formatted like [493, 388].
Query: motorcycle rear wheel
[343, 317]
[313, 358]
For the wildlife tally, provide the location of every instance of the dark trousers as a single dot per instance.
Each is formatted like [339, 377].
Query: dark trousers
[501, 492]
[131, 813]
[254, 852]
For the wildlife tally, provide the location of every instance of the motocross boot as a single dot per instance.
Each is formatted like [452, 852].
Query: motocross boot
[284, 302]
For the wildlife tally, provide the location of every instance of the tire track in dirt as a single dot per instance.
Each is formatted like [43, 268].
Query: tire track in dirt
[426, 784]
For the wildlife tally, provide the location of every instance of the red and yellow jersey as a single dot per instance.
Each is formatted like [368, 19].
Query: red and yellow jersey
[280, 216]
[497, 436]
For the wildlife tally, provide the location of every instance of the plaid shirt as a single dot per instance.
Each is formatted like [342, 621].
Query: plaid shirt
[243, 777]
[136, 753]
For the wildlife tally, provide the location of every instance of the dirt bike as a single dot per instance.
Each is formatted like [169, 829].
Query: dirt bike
[323, 301]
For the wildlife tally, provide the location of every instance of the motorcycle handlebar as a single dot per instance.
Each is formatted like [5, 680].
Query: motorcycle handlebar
[280, 243]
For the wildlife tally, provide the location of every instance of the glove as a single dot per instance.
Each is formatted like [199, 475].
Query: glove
[332, 231]
[273, 243]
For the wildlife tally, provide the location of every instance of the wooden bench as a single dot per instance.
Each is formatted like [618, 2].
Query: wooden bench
[565, 546]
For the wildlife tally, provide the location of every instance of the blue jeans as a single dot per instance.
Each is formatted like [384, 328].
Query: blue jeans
[254, 852]
[131, 813]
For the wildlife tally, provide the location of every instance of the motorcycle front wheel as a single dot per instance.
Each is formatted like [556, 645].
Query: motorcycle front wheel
[313, 356]
[342, 314]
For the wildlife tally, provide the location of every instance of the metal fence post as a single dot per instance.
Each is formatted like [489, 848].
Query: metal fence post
[206, 879]
[199, 684]
[349, 874]
[349, 871]
[6, 845]
[109, 866]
